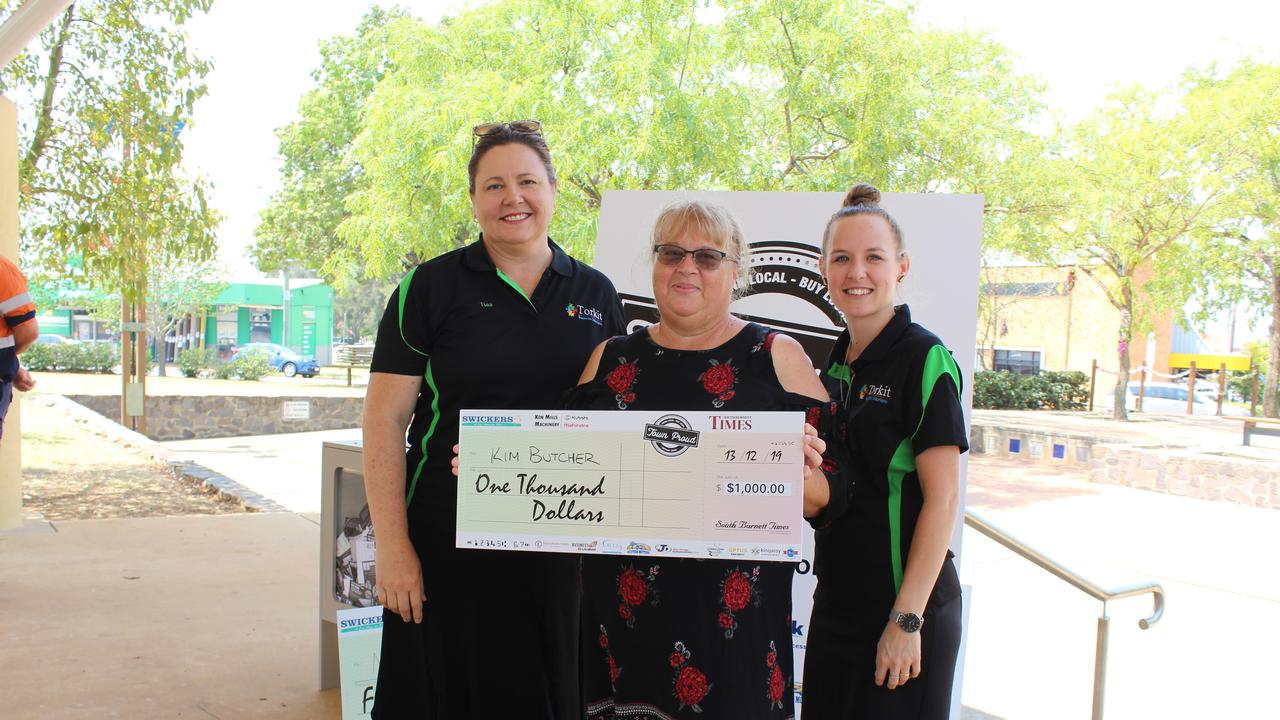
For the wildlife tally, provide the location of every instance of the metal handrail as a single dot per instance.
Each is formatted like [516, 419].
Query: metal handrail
[984, 526]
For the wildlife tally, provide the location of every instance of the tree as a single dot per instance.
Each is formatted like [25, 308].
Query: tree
[740, 95]
[176, 287]
[1128, 217]
[111, 85]
[1242, 108]
[301, 220]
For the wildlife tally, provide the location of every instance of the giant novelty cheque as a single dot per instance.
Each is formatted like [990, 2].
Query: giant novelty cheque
[691, 484]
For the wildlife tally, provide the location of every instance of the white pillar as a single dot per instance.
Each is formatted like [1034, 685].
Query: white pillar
[11, 444]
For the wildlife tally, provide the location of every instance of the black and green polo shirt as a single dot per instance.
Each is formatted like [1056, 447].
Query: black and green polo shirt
[900, 397]
[479, 342]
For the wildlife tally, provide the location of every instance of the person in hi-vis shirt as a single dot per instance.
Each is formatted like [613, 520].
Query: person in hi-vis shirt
[17, 332]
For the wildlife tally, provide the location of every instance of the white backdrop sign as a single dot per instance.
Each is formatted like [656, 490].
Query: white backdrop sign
[943, 234]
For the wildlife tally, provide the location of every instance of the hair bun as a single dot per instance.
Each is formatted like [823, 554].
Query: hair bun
[862, 194]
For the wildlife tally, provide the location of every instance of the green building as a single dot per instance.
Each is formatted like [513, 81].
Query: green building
[242, 313]
[257, 312]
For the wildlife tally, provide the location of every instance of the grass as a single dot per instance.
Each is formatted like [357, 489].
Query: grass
[69, 472]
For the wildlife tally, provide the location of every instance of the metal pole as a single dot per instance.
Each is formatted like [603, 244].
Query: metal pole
[1100, 665]
[1093, 377]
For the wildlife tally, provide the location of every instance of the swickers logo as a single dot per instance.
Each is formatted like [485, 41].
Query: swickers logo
[490, 420]
[876, 393]
[583, 312]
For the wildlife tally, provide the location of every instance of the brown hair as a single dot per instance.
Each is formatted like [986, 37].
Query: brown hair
[862, 199]
[711, 221]
[507, 136]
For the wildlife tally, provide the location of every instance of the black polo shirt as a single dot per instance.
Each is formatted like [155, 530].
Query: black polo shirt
[898, 399]
[479, 342]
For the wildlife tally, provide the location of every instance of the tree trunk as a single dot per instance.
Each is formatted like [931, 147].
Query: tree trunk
[1119, 411]
[1272, 386]
[159, 343]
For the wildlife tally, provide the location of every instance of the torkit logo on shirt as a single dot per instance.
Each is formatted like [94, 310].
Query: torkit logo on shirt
[876, 393]
[583, 312]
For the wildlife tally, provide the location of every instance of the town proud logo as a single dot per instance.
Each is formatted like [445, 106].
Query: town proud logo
[671, 435]
[785, 283]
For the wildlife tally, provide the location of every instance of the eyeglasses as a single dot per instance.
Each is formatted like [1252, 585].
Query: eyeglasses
[705, 258]
[524, 127]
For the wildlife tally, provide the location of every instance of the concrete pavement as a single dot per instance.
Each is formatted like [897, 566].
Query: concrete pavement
[203, 616]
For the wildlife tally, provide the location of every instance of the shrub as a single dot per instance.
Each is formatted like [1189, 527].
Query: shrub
[71, 357]
[38, 357]
[252, 366]
[191, 361]
[247, 366]
[1049, 390]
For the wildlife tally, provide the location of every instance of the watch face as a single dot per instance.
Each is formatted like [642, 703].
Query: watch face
[910, 622]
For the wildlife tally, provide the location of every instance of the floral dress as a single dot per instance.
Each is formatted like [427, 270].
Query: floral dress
[683, 638]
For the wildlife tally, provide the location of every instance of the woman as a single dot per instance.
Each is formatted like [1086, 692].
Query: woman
[470, 633]
[885, 629]
[667, 638]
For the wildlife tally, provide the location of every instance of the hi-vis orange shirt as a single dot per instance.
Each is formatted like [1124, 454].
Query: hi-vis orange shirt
[17, 308]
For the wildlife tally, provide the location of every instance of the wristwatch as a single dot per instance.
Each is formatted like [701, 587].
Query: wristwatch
[909, 622]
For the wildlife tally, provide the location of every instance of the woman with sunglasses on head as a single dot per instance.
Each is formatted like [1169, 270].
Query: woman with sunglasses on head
[679, 638]
[885, 629]
[474, 633]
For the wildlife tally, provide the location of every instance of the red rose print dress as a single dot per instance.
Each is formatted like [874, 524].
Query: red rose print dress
[681, 638]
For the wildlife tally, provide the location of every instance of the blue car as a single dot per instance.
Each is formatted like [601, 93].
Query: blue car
[283, 359]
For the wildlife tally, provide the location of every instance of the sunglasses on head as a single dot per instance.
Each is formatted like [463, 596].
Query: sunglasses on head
[705, 258]
[524, 127]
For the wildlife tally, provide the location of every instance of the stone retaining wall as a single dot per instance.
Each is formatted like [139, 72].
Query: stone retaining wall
[1181, 471]
[1191, 472]
[186, 417]
[1031, 444]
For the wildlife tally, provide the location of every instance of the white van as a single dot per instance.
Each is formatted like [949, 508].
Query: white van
[1170, 398]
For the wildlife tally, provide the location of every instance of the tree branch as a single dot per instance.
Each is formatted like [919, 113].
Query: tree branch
[44, 120]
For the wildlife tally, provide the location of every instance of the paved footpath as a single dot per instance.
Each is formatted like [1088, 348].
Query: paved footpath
[1030, 650]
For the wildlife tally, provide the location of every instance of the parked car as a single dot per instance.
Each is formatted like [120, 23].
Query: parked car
[47, 339]
[1171, 398]
[283, 359]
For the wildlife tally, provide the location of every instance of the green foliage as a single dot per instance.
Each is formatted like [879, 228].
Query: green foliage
[252, 365]
[1242, 253]
[318, 173]
[91, 357]
[740, 95]
[100, 175]
[1004, 390]
[192, 360]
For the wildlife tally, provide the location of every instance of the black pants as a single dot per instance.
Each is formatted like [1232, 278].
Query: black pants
[840, 665]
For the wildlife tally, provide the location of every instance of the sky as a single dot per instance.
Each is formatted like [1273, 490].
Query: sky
[264, 51]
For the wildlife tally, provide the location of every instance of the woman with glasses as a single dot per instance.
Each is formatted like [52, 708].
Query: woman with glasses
[666, 637]
[885, 630]
[472, 633]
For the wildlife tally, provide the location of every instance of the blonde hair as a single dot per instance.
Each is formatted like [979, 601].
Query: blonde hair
[713, 223]
[862, 199]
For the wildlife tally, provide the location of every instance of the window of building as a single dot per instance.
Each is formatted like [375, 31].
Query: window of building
[1022, 362]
